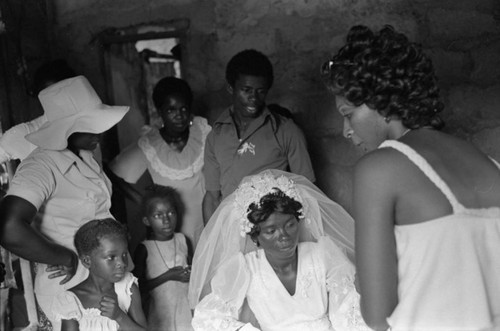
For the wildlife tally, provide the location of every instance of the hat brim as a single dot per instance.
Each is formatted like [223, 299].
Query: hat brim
[54, 135]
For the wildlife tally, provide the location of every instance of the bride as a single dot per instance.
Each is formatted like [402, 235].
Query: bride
[274, 256]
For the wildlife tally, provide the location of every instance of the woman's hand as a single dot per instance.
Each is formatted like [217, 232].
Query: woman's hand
[180, 274]
[66, 271]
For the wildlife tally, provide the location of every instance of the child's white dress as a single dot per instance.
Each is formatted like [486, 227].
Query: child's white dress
[67, 306]
[168, 307]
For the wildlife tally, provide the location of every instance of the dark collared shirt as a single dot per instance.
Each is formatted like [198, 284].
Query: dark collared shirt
[264, 145]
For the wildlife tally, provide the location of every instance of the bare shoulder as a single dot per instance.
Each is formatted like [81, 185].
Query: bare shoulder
[382, 163]
[134, 288]
[456, 160]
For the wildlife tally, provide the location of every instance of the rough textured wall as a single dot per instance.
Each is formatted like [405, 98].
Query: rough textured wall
[462, 36]
[23, 48]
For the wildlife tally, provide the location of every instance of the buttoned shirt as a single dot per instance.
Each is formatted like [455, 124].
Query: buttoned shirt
[70, 191]
[271, 141]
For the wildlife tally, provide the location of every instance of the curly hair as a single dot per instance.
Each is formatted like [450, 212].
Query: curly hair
[268, 204]
[249, 62]
[88, 237]
[169, 86]
[389, 74]
[166, 193]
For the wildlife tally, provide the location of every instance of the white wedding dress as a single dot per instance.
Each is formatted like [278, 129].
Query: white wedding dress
[324, 300]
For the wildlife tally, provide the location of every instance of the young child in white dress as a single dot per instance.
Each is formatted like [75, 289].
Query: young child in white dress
[109, 299]
[161, 261]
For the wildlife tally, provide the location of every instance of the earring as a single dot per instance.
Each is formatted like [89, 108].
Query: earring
[86, 260]
[387, 119]
[191, 123]
[349, 135]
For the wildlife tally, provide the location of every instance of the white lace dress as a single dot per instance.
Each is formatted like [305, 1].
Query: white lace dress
[169, 167]
[67, 306]
[181, 170]
[324, 300]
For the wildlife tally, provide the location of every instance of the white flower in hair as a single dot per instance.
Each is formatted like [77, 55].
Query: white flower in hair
[253, 190]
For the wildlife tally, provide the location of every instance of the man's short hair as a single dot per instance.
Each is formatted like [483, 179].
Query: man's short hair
[249, 62]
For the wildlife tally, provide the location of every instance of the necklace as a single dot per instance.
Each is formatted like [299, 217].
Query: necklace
[161, 255]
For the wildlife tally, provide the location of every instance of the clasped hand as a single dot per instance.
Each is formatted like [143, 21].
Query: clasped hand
[179, 273]
[109, 307]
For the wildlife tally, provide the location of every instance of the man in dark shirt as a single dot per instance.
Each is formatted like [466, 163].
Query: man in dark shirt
[248, 138]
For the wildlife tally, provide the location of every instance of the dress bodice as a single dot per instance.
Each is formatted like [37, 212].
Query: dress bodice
[166, 161]
[272, 303]
[324, 298]
[68, 306]
[164, 255]
[447, 267]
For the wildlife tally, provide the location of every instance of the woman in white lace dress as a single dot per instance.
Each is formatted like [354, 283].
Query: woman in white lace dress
[173, 154]
[426, 204]
[292, 280]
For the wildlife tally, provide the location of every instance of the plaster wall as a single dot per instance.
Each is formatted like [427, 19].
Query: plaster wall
[462, 37]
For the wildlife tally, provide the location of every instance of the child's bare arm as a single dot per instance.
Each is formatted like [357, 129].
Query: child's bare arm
[140, 257]
[135, 311]
[109, 307]
[70, 325]
[179, 273]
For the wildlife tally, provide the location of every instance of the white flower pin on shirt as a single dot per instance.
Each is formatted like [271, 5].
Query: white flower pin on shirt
[246, 147]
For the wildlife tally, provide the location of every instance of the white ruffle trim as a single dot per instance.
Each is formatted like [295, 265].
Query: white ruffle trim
[197, 135]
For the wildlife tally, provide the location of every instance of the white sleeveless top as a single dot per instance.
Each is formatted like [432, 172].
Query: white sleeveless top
[67, 306]
[449, 267]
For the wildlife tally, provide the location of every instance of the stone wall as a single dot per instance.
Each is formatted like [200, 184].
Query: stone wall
[462, 36]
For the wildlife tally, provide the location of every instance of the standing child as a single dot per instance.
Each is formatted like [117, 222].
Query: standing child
[109, 298]
[161, 261]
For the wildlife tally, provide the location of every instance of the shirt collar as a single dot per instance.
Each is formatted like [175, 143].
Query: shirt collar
[65, 159]
[226, 118]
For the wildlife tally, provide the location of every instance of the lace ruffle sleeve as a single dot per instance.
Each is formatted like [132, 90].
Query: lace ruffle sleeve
[344, 311]
[219, 310]
[66, 306]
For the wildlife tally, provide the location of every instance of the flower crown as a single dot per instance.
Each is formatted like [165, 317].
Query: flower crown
[253, 190]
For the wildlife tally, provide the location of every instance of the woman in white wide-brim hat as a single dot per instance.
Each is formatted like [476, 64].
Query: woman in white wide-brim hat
[63, 182]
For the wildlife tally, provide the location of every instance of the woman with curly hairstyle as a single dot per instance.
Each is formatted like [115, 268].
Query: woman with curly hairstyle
[426, 204]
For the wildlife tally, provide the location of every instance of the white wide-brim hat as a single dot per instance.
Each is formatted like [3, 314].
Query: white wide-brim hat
[72, 105]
